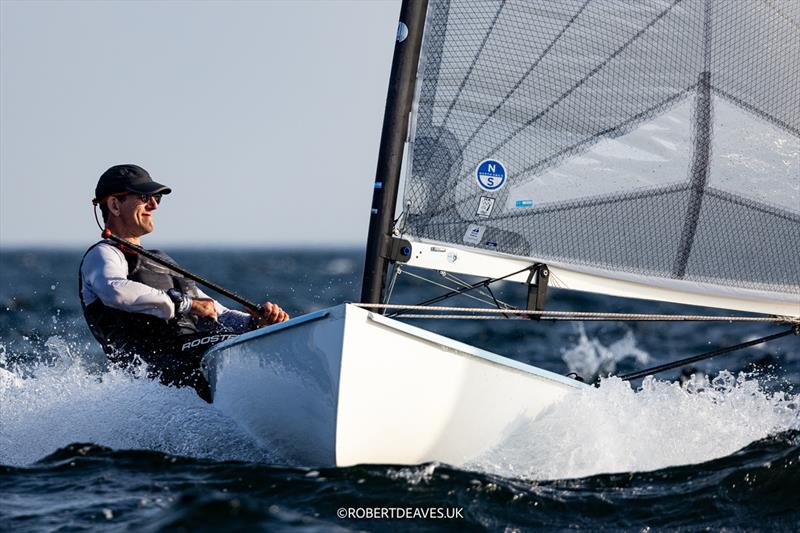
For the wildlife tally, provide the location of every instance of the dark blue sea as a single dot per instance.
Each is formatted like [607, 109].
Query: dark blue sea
[86, 447]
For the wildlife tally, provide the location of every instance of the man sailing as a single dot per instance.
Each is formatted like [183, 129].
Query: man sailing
[140, 310]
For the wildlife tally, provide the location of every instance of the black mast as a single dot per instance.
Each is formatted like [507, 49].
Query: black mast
[393, 136]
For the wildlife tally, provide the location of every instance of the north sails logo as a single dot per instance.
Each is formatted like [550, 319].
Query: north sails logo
[211, 339]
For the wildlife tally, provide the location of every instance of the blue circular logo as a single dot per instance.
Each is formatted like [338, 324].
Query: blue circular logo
[491, 175]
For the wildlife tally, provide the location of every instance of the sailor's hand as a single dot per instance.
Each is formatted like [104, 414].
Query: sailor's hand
[269, 314]
[204, 307]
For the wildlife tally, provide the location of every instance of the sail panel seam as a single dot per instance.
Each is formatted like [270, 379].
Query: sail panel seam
[754, 110]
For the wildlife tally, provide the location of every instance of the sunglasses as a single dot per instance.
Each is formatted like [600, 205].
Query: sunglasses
[144, 197]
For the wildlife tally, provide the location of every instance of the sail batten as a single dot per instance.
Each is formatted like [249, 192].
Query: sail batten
[657, 140]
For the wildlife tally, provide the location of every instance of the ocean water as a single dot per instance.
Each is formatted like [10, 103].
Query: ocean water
[88, 447]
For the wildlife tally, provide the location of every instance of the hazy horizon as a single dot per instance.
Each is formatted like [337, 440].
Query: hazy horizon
[263, 117]
[178, 247]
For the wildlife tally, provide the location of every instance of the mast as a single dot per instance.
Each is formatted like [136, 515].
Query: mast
[390, 155]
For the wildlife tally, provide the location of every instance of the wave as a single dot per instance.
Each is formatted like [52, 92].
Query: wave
[607, 429]
[753, 488]
[617, 428]
[47, 406]
[590, 358]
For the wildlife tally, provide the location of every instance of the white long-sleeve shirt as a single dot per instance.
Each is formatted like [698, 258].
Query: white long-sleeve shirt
[105, 277]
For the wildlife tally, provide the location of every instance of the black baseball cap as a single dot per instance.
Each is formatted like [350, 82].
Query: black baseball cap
[127, 178]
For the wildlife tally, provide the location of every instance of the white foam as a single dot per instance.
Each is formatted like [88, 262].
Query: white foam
[614, 428]
[46, 407]
[589, 358]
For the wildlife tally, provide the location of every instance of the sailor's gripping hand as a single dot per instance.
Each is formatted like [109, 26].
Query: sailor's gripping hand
[204, 307]
[269, 314]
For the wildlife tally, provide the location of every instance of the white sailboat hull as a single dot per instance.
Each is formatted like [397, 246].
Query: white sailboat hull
[345, 386]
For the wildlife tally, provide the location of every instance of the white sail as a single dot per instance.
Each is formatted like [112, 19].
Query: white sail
[645, 149]
[655, 144]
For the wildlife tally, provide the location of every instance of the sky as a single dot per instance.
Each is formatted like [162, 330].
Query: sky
[264, 117]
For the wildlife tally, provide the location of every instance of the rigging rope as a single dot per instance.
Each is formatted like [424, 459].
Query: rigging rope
[522, 314]
[395, 273]
[463, 290]
[708, 355]
[505, 311]
[455, 280]
[463, 283]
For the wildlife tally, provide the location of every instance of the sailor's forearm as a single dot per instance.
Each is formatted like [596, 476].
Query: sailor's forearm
[137, 298]
[236, 321]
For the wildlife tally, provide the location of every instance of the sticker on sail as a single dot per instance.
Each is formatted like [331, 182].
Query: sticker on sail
[523, 203]
[485, 206]
[491, 244]
[474, 234]
[491, 175]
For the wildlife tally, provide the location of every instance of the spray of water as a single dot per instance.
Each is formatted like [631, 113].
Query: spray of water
[617, 428]
[611, 428]
[47, 406]
[589, 358]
